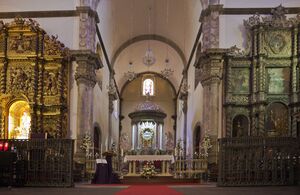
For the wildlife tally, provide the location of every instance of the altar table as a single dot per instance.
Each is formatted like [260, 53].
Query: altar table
[166, 159]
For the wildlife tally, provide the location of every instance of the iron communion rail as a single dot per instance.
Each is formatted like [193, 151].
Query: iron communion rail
[41, 162]
[259, 161]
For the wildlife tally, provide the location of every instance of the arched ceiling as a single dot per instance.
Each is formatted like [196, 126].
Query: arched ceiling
[124, 26]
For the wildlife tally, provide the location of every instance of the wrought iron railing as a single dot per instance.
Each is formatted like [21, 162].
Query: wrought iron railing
[258, 161]
[43, 162]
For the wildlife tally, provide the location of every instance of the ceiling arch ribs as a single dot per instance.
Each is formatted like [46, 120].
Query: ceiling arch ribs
[146, 37]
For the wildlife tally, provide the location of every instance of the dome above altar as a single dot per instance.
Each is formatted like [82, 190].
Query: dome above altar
[148, 106]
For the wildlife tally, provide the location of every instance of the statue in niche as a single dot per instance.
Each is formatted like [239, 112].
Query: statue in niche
[50, 83]
[277, 120]
[20, 44]
[240, 126]
[19, 80]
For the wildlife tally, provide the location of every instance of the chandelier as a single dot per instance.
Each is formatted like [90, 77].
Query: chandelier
[149, 58]
[167, 72]
[130, 75]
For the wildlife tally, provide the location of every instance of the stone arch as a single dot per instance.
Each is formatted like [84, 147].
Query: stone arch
[7, 101]
[149, 72]
[148, 37]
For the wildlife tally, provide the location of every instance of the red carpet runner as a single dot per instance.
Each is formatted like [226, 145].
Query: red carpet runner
[148, 190]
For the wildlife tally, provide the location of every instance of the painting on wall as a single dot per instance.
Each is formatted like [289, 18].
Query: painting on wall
[277, 120]
[240, 80]
[278, 80]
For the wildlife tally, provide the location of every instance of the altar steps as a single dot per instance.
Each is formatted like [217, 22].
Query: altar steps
[158, 180]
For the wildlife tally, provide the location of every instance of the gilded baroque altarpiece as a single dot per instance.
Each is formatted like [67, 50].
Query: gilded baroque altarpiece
[34, 68]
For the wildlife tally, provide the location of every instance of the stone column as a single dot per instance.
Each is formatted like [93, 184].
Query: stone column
[211, 68]
[133, 136]
[88, 18]
[85, 77]
[210, 22]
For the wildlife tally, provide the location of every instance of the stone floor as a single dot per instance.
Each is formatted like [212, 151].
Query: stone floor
[205, 189]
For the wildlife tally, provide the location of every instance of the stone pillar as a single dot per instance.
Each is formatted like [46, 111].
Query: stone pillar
[88, 18]
[184, 96]
[211, 68]
[210, 21]
[85, 77]
[112, 96]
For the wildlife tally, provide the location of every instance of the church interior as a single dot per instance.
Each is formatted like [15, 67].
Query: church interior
[202, 92]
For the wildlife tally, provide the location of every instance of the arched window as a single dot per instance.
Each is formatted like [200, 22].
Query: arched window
[148, 87]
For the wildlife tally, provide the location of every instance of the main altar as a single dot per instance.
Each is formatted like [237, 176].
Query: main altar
[147, 142]
[137, 162]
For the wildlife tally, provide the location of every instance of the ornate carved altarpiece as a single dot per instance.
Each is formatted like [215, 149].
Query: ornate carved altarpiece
[265, 75]
[33, 68]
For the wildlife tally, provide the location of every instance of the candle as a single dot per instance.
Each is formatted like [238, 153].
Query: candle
[5, 146]
[101, 151]
[122, 152]
[106, 145]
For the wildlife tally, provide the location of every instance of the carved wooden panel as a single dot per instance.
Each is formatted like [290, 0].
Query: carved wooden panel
[272, 76]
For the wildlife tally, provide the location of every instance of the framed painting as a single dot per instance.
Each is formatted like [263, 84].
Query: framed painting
[278, 80]
[240, 80]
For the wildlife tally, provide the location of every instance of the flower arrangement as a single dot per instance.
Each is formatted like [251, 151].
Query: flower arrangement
[205, 146]
[148, 170]
[86, 142]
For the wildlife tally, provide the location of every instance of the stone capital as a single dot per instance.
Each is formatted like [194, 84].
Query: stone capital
[210, 64]
[87, 62]
[87, 56]
[87, 9]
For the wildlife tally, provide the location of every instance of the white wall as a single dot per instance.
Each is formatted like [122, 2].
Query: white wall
[100, 105]
[36, 5]
[195, 108]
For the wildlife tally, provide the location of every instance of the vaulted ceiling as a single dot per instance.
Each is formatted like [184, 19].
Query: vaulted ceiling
[128, 27]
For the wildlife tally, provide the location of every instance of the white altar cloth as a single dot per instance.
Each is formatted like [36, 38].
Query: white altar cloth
[102, 161]
[149, 158]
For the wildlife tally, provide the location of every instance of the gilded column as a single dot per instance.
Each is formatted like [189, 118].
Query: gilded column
[1, 123]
